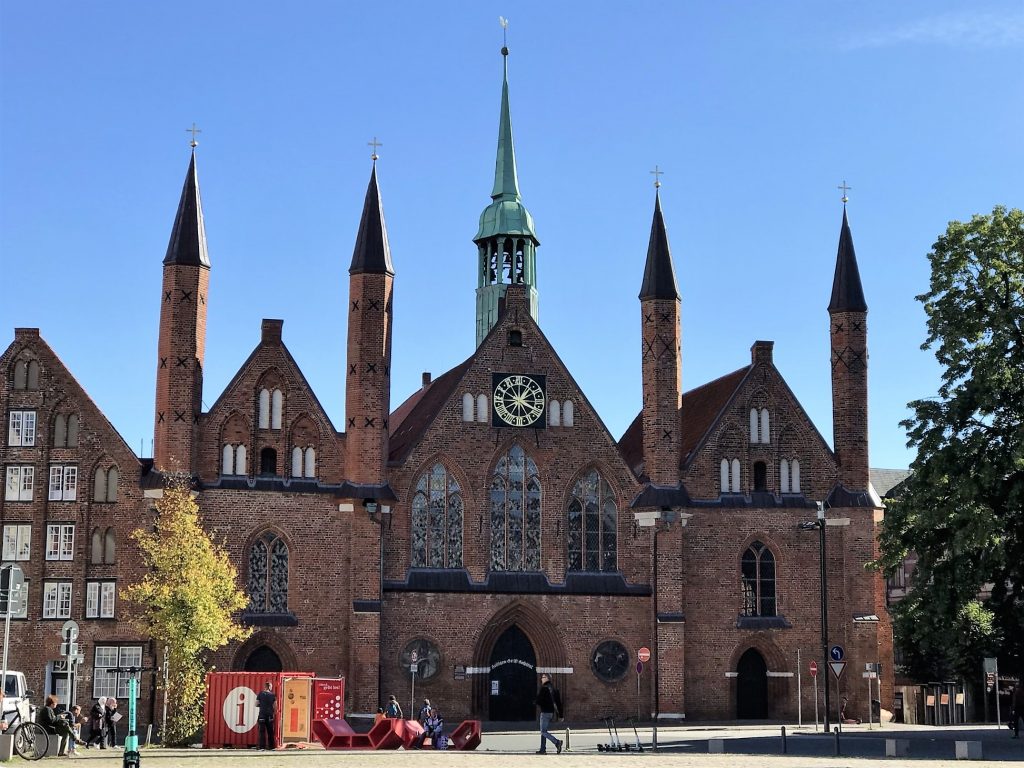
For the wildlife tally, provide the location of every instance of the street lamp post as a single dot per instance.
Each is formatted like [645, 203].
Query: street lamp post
[823, 583]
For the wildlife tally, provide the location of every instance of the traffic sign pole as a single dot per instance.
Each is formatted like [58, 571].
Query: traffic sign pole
[813, 669]
[799, 693]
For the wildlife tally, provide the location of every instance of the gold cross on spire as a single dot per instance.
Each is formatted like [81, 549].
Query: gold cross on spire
[657, 173]
[193, 130]
[845, 190]
[374, 144]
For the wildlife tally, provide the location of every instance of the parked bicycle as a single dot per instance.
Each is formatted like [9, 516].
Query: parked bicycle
[30, 739]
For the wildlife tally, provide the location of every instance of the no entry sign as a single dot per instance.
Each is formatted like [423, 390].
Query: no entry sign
[644, 654]
[814, 669]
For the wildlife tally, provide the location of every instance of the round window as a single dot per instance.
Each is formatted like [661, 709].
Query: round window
[422, 654]
[610, 660]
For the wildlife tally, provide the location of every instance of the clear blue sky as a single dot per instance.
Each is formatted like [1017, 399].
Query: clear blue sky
[756, 112]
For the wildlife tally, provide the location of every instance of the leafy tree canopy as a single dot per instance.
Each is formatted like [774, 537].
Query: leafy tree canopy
[962, 509]
[186, 601]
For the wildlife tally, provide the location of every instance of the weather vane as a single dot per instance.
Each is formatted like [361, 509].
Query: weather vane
[374, 144]
[845, 190]
[504, 35]
[657, 172]
[193, 130]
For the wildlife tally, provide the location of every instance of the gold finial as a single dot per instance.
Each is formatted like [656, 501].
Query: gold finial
[504, 35]
[845, 190]
[374, 144]
[193, 130]
[657, 173]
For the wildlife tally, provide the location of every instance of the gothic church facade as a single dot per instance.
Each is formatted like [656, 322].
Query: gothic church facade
[484, 530]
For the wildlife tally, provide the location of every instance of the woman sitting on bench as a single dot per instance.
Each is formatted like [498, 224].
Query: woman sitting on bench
[433, 728]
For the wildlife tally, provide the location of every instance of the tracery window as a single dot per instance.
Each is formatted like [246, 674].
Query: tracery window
[592, 529]
[268, 575]
[757, 578]
[515, 513]
[437, 515]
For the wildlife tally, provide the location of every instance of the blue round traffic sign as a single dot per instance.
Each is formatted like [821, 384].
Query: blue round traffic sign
[837, 653]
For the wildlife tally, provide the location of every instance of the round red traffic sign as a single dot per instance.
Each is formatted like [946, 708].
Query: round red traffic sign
[814, 669]
[644, 654]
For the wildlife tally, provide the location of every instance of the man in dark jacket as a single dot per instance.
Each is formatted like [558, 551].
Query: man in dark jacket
[550, 703]
[1017, 702]
[55, 724]
[265, 721]
[96, 732]
[110, 718]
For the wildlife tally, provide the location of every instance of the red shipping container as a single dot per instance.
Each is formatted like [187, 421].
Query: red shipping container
[231, 709]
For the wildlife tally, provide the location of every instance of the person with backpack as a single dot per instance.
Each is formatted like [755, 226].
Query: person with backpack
[550, 703]
[393, 709]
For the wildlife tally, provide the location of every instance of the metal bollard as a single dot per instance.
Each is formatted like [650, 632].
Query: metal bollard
[783, 739]
[567, 747]
[654, 738]
[836, 731]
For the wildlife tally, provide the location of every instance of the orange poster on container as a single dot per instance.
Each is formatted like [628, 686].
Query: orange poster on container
[295, 710]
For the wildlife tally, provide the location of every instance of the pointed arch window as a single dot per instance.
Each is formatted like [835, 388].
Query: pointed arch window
[730, 476]
[110, 546]
[467, 406]
[757, 581]
[437, 518]
[26, 374]
[759, 426]
[264, 415]
[592, 527]
[304, 462]
[515, 513]
[65, 430]
[276, 408]
[96, 550]
[268, 575]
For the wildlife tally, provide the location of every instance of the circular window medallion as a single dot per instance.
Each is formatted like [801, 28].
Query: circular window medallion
[610, 661]
[424, 655]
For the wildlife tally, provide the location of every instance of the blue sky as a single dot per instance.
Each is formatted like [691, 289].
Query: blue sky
[755, 111]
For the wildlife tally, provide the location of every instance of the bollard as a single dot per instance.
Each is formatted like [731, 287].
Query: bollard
[836, 732]
[783, 739]
[149, 733]
[654, 738]
[566, 746]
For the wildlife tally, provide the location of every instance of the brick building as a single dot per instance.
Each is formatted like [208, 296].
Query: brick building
[487, 528]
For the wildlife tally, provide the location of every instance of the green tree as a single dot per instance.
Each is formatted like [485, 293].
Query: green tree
[962, 509]
[187, 601]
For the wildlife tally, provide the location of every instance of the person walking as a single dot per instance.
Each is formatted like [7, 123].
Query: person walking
[1017, 709]
[110, 718]
[96, 732]
[265, 721]
[550, 703]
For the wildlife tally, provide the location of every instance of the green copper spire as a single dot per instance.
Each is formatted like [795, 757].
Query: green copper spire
[505, 239]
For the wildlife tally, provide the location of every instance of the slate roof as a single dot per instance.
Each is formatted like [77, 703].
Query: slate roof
[187, 245]
[847, 293]
[659, 274]
[885, 480]
[372, 252]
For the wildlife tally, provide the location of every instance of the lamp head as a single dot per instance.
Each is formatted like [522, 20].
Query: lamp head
[370, 505]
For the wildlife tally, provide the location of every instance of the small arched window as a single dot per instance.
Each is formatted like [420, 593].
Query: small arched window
[296, 462]
[735, 476]
[268, 461]
[467, 407]
[112, 478]
[554, 414]
[96, 550]
[794, 474]
[753, 426]
[310, 468]
[724, 475]
[766, 435]
[227, 460]
[268, 575]
[26, 374]
[264, 414]
[276, 408]
[303, 462]
[568, 414]
[109, 546]
[60, 431]
[482, 413]
[72, 430]
[784, 476]
[99, 485]
[437, 518]
[592, 525]
[241, 466]
[757, 581]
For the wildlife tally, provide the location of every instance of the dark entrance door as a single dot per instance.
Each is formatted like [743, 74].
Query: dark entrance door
[513, 678]
[752, 687]
[263, 659]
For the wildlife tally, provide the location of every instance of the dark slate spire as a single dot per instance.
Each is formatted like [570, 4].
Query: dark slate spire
[847, 294]
[659, 275]
[188, 237]
[372, 253]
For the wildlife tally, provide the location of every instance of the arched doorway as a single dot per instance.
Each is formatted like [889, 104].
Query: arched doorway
[752, 687]
[263, 659]
[513, 678]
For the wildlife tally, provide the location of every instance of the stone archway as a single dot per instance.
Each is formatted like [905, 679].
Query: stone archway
[263, 659]
[513, 677]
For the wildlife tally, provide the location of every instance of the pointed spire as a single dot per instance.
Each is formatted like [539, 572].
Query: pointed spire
[188, 236]
[506, 181]
[847, 293]
[372, 253]
[659, 274]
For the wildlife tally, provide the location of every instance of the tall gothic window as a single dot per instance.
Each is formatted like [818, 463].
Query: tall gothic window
[758, 581]
[515, 513]
[437, 514]
[268, 575]
[591, 531]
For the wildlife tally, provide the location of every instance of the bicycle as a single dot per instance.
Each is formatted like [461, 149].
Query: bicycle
[30, 738]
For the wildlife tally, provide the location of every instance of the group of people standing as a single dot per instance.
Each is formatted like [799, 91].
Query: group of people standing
[67, 723]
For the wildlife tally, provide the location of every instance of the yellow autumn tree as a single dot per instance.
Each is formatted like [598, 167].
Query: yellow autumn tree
[187, 601]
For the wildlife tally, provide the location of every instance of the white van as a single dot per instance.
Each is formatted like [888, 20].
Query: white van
[15, 690]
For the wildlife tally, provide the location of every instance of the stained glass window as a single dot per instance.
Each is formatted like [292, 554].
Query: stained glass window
[437, 513]
[515, 513]
[268, 575]
[757, 581]
[592, 527]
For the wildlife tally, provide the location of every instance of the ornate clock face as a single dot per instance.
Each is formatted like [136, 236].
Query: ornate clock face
[518, 400]
[610, 661]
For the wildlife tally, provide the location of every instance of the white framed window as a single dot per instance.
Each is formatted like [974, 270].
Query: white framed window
[99, 599]
[63, 482]
[57, 600]
[22, 428]
[20, 481]
[106, 680]
[17, 541]
[60, 541]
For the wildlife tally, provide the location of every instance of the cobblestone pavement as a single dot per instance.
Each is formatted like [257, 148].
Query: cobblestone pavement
[745, 747]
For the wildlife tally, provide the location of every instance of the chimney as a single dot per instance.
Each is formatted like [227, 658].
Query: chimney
[271, 330]
[761, 352]
[426, 379]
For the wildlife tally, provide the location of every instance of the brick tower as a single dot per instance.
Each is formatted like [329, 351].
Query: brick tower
[848, 314]
[182, 342]
[661, 360]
